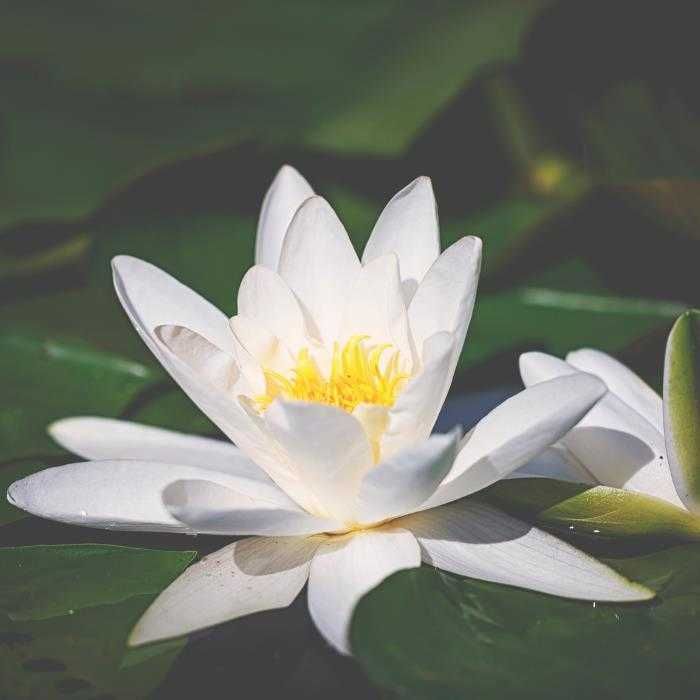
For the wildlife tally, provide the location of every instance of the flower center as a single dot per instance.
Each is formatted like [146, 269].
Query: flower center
[357, 376]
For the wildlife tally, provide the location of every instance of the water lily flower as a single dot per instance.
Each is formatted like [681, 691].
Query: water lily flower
[626, 441]
[329, 381]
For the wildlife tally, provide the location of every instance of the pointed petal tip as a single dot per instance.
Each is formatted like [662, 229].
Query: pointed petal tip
[140, 636]
[11, 493]
[288, 171]
[121, 262]
[422, 185]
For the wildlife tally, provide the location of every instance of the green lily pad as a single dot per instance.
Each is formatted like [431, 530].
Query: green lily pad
[359, 78]
[427, 634]
[559, 321]
[682, 406]
[593, 510]
[49, 377]
[66, 611]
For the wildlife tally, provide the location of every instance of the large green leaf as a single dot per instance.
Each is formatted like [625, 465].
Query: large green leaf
[65, 614]
[428, 634]
[46, 377]
[593, 510]
[168, 83]
[682, 406]
[559, 321]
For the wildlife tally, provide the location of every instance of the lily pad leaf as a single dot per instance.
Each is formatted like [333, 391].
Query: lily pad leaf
[427, 634]
[559, 321]
[85, 575]
[49, 377]
[601, 511]
[191, 83]
[65, 614]
[682, 407]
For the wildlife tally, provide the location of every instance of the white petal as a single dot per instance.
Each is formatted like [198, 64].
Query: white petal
[209, 362]
[152, 298]
[258, 573]
[211, 509]
[413, 415]
[613, 442]
[286, 194]
[621, 381]
[326, 448]
[473, 539]
[445, 298]
[375, 307]
[408, 226]
[107, 438]
[518, 430]
[536, 367]
[345, 568]
[555, 462]
[622, 449]
[319, 264]
[265, 298]
[250, 342]
[120, 494]
[401, 483]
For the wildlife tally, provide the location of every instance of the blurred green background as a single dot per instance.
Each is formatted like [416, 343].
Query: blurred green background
[563, 133]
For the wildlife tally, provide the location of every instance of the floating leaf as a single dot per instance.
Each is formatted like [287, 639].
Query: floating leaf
[593, 510]
[360, 77]
[559, 321]
[50, 378]
[426, 634]
[68, 610]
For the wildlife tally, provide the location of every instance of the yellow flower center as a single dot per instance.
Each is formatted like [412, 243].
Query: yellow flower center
[357, 376]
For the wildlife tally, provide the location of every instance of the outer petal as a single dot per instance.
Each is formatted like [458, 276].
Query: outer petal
[285, 195]
[516, 431]
[122, 494]
[199, 373]
[259, 573]
[621, 381]
[345, 568]
[211, 509]
[320, 265]
[265, 298]
[445, 298]
[152, 298]
[408, 226]
[401, 483]
[106, 438]
[412, 417]
[326, 448]
[375, 307]
[613, 442]
[473, 539]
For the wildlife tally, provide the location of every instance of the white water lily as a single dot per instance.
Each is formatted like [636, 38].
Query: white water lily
[329, 381]
[622, 442]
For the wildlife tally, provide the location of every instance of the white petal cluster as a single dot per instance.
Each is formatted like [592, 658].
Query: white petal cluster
[337, 484]
[620, 442]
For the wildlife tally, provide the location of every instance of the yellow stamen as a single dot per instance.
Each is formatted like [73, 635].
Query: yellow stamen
[356, 377]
